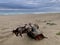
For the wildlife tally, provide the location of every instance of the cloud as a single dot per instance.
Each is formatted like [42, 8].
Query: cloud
[25, 4]
[55, 0]
[31, 5]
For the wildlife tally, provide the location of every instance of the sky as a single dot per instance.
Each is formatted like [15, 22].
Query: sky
[31, 5]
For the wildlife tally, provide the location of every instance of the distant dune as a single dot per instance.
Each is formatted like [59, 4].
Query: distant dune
[49, 25]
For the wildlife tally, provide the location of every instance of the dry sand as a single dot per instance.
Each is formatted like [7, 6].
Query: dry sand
[8, 23]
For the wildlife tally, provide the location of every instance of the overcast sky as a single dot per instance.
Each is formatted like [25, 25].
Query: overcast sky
[31, 5]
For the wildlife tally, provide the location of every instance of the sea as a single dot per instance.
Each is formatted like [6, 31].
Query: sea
[12, 12]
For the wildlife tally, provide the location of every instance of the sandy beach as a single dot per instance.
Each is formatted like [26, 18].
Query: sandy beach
[11, 22]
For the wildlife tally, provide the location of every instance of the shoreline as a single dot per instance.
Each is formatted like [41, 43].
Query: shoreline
[30, 13]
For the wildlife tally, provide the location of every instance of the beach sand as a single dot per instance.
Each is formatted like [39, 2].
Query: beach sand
[11, 22]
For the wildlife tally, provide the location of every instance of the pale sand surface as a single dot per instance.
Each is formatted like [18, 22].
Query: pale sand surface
[8, 23]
